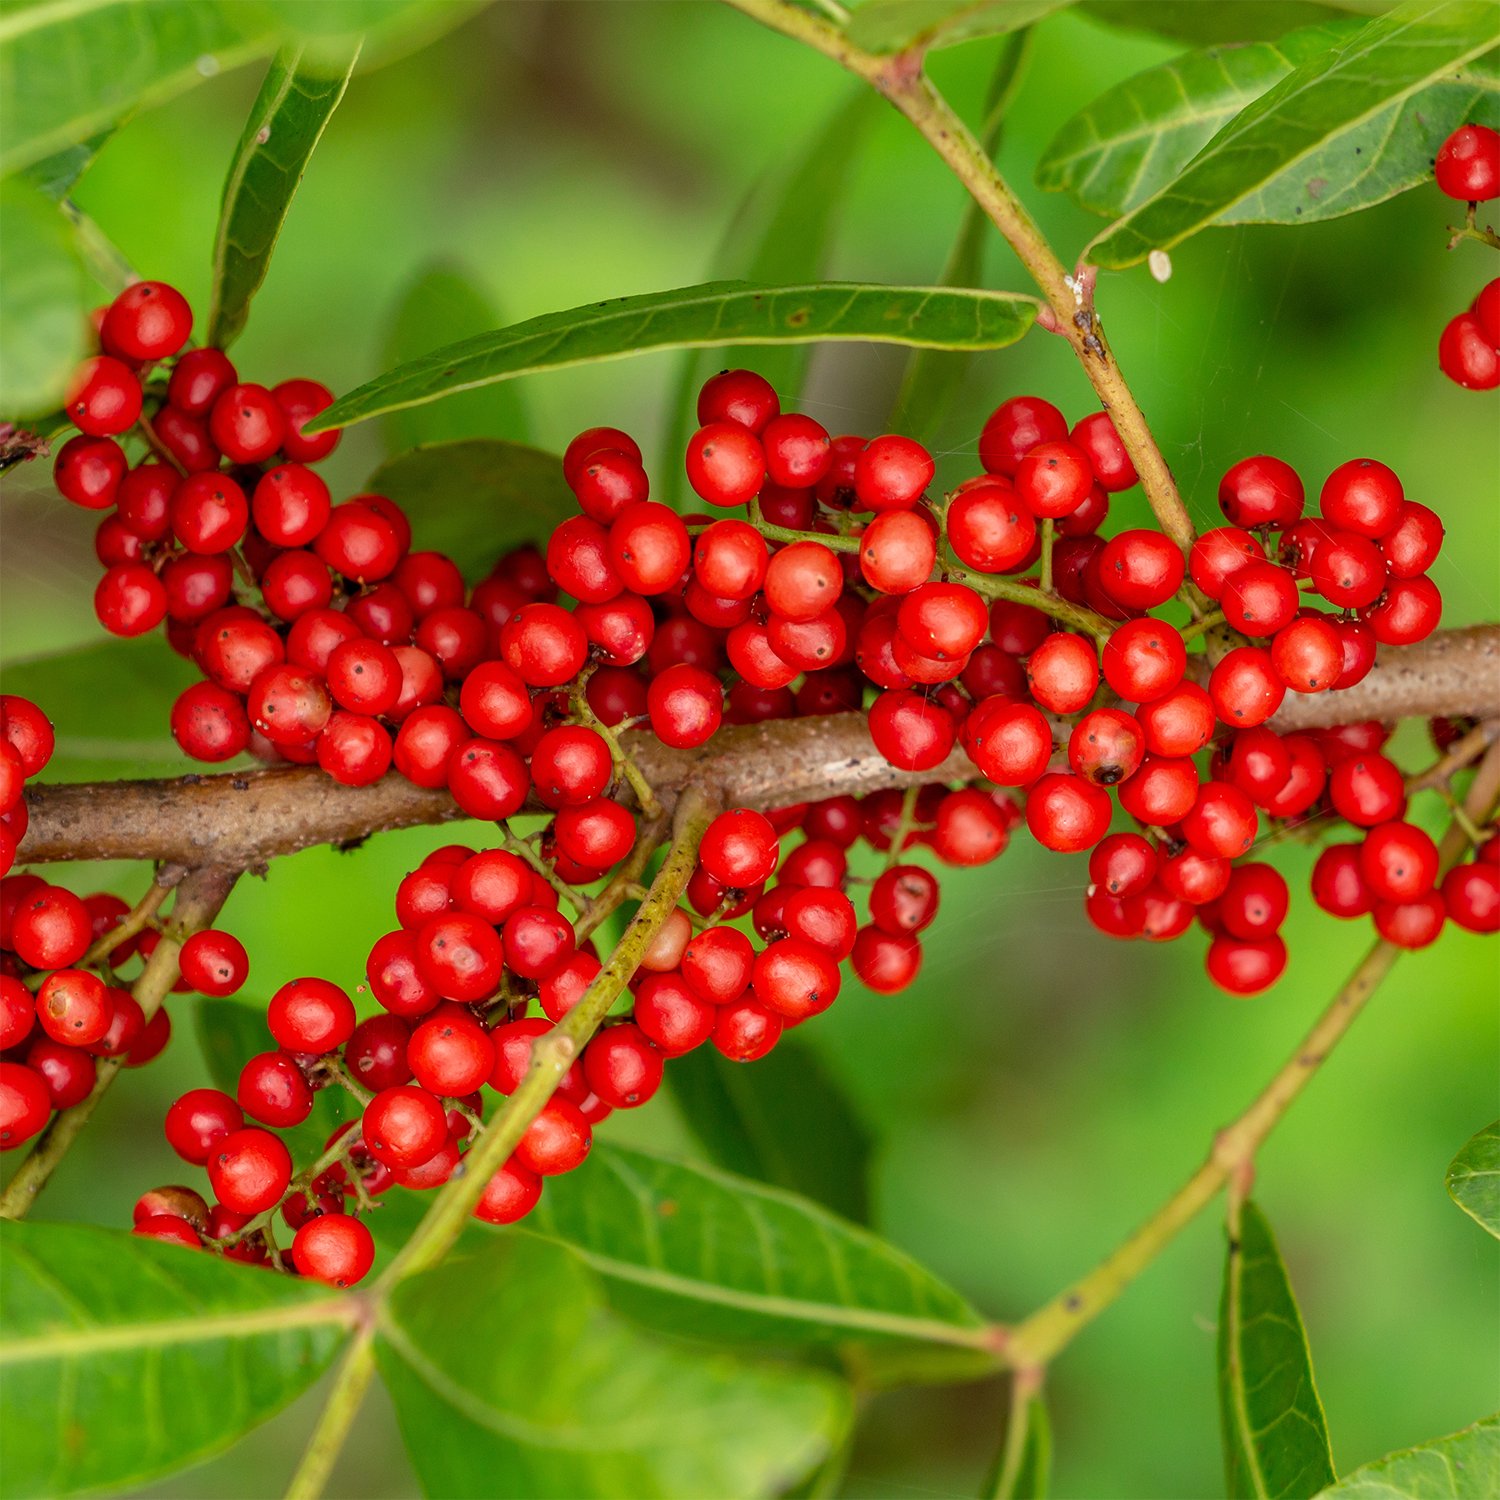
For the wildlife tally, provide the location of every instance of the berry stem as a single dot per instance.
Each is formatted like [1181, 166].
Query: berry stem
[337, 1417]
[1202, 626]
[1040, 1337]
[523, 850]
[1024, 1387]
[158, 447]
[899, 77]
[907, 822]
[200, 895]
[1049, 535]
[645, 795]
[138, 918]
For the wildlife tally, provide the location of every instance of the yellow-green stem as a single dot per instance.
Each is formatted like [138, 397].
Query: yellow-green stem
[337, 1417]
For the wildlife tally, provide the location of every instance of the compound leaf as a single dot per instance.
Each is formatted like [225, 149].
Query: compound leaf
[780, 235]
[921, 25]
[784, 1121]
[510, 1377]
[1345, 130]
[476, 498]
[1462, 1466]
[1473, 1179]
[713, 315]
[43, 316]
[286, 121]
[1134, 139]
[443, 304]
[68, 71]
[698, 1252]
[1275, 1436]
[123, 1358]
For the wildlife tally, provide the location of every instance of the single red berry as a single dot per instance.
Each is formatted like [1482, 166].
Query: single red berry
[272, 1090]
[912, 732]
[897, 551]
[149, 320]
[803, 580]
[1362, 496]
[825, 918]
[335, 1249]
[1192, 877]
[1260, 599]
[450, 1056]
[726, 464]
[215, 963]
[51, 929]
[1180, 722]
[1222, 822]
[180, 1202]
[397, 980]
[375, 1054]
[130, 600]
[623, 627]
[819, 863]
[1067, 814]
[1358, 642]
[904, 899]
[169, 1229]
[1261, 491]
[1468, 164]
[795, 979]
[1245, 687]
[989, 529]
[1014, 428]
[538, 942]
[739, 396]
[1410, 611]
[1366, 790]
[1010, 742]
[1398, 861]
[1411, 546]
[247, 424]
[1218, 555]
[596, 835]
[1245, 967]
[717, 964]
[403, 1127]
[509, 1195]
[291, 506]
[1054, 479]
[103, 397]
[1144, 660]
[25, 1105]
[1122, 865]
[492, 884]
[427, 743]
[972, 827]
[1259, 764]
[885, 962]
[1063, 672]
[1308, 655]
[1471, 896]
[359, 542]
[557, 1140]
[186, 439]
[543, 645]
[488, 779]
[69, 1073]
[461, 957]
[1348, 570]
[1411, 924]
[740, 848]
[90, 471]
[1106, 747]
[199, 1120]
[622, 1067]
[1255, 902]
[310, 1015]
[199, 378]
[686, 706]
[17, 1012]
[891, 473]
[209, 513]
[798, 450]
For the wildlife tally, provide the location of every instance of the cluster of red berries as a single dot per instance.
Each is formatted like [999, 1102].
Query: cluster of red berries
[57, 1018]
[1468, 169]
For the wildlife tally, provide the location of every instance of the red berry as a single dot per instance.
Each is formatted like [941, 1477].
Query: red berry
[151, 1042]
[169, 1229]
[622, 1067]
[988, 528]
[450, 1056]
[740, 848]
[375, 1054]
[803, 580]
[1164, 917]
[557, 1140]
[1245, 687]
[149, 320]
[1348, 570]
[291, 506]
[310, 1015]
[739, 396]
[904, 899]
[543, 645]
[595, 835]
[885, 962]
[538, 942]
[1014, 428]
[798, 450]
[509, 1195]
[51, 929]
[1180, 722]
[1308, 655]
[460, 956]
[215, 963]
[891, 473]
[209, 513]
[1261, 491]
[1398, 861]
[897, 551]
[1411, 924]
[17, 1012]
[199, 1120]
[1241, 967]
[671, 1015]
[795, 979]
[717, 964]
[1106, 747]
[1097, 436]
[1471, 896]
[1358, 643]
[1054, 479]
[359, 542]
[1189, 876]
[1366, 790]
[403, 1127]
[199, 378]
[1411, 546]
[1144, 660]
[1067, 814]
[1141, 569]
[910, 731]
[1123, 865]
[69, 1073]
[488, 779]
[272, 1089]
[396, 977]
[943, 621]
[1255, 902]
[1221, 823]
[333, 1248]
[1304, 782]
[1010, 742]
[726, 464]
[1409, 612]
[1218, 555]
[1362, 496]
[90, 471]
[24, 1105]
[428, 742]
[247, 424]
[972, 827]
[186, 439]
[1468, 164]
[1162, 791]
[130, 600]
[103, 397]
[1260, 599]
[686, 705]
[1063, 673]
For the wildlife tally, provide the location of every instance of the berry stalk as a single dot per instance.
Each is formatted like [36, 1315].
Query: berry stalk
[1039, 1338]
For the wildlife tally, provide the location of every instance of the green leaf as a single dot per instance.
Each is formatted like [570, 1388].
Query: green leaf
[1134, 139]
[1473, 1179]
[69, 70]
[695, 1251]
[1344, 131]
[43, 314]
[288, 118]
[1275, 1436]
[476, 499]
[896, 25]
[230, 1033]
[123, 1359]
[934, 377]
[442, 305]
[1023, 1467]
[1462, 1466]
[510, 1378]
[56, 174]
[109, 705]
[708, 316]
[1243, 21]
[780, 236]
[759, 1122]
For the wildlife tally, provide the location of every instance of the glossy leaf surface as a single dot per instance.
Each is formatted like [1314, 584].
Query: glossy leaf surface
[1212, 25]
[1473, 1178]
[1462, 1466]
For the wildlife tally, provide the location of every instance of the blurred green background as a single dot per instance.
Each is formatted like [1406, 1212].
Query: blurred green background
[1039, 1089]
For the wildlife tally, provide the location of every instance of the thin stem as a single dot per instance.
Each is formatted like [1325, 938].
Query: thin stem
[1040, 1337]
[522, 850]
[138, 918]
[1055, 605]
[158, 447]
[339, 1412]
[199, 898]
[904, 826]
[1202, 626]
[1049, 535]
[900, 79]
[645, 794]
[1024, 1387]
[1461, 753]
[552, 1054]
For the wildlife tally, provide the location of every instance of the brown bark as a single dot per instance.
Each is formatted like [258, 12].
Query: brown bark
[239, 820]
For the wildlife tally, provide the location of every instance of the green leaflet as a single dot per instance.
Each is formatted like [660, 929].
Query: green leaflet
[697, 1252]
[110, 705]
[780, 235]
[1243, 21]
[1462, 1466]
[123, 1359]
[68, 71]
[43, 317]
[1134, 139]
[442, 304]
[1473, 1178]
[718, 313]
[896, 25]
[230, 1033]
[56, 174]
[476, 499]
[783, 1121]
[511, 1378]
[1023, 1467]
[934, 377]
[1340, 133]
[1275, 1436]
[288, 117]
